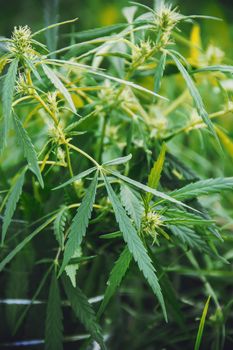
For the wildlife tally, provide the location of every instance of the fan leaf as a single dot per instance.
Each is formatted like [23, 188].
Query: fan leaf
[135, 244]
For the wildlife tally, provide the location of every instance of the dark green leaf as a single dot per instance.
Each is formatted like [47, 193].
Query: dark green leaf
[53, 324]
[80, 222]
[116, 275]
[83, 311]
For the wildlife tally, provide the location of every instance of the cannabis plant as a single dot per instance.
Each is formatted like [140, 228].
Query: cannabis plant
[109, 236]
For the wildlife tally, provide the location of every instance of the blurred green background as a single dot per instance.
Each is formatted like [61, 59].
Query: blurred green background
[94, 13]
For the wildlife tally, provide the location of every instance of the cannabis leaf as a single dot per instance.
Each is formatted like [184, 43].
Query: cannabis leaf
[80, 223]
[59, 85]
[83, 311]
[76, 178]
[53, 323]
[116, 275]
[59, 226]
[203, 187]
[11, 203]
[195, 94]
[28, 148]
[132, 204]
[7, 98]
[134, 243]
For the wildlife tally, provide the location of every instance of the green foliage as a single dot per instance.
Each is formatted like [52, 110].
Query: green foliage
[135, 245]
[53, 324]
[11, 203]
[116, 276]
[194, 93]
[155, 173]
[28, 148]
[79, 223]
[201, 325]
[7, 98]
[59, 85]
[84, 311]
[132, 204]
[121, 174]
[204, 187]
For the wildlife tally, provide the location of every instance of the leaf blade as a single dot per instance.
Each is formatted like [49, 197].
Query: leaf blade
[28, 148]
[80, 223]
[201, 325]
[84, 311]
[59, 85]
[116, 275]
[195, 95]
[7, 98]
[11, 203]
[53, 323]
[155, 173]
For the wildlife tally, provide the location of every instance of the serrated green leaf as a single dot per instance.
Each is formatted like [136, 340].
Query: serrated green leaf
[188, 237]
[59, 226]
[195, 94]
[72, 268]
[28, 148]
[84, 311]
[176, 217]
[135, 244]
[132, 204]
[155, 173]
[59, 85]
[116, 275]
[11, 203]
[203, 187]
[76, 178]
[7, 98]
[79, 223]
[201, 325]
[53, 324]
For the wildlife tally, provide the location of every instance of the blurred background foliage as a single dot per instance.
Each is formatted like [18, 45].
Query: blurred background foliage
[94, 13]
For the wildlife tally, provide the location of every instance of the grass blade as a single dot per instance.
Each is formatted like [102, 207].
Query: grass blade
[155, 173]
[201, 325]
